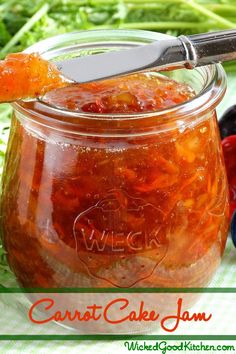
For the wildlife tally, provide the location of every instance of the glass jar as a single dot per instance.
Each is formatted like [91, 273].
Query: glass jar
[116, 200]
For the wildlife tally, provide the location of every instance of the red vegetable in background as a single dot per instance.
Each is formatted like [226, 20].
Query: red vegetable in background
[227, 125]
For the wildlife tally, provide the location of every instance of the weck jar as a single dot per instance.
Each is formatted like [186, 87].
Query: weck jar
[116, 200]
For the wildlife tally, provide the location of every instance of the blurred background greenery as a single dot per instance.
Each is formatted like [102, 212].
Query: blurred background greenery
[23, 22]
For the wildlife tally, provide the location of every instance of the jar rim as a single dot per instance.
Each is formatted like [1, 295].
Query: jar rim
[209, 96]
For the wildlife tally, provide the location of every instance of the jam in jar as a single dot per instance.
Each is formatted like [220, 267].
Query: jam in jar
[118, 183]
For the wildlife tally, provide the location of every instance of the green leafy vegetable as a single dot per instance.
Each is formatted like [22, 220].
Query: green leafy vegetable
[24, 22]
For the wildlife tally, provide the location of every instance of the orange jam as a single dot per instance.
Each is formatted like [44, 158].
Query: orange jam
[27, 75]
[123, 209]
[132, 94]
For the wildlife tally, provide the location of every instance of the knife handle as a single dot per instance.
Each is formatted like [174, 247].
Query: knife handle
[209, 48]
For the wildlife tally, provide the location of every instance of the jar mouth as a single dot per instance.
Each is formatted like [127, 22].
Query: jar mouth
[212, 77]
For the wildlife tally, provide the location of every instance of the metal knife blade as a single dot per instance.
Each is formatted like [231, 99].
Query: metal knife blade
[122, 62]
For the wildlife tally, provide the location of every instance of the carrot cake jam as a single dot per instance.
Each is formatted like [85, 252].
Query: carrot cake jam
[97, 198]
[27, 75]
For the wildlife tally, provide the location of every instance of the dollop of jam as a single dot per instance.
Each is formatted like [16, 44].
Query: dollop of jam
[25, 75]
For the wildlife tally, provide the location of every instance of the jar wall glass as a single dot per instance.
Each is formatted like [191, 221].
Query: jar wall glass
[121, 200]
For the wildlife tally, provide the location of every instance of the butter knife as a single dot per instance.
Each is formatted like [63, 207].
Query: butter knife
[181, 52]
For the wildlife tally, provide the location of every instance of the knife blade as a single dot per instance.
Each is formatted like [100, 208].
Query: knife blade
[183, 51]
[122, 62]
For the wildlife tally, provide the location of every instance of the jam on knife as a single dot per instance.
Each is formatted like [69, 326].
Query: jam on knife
[27, 76]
